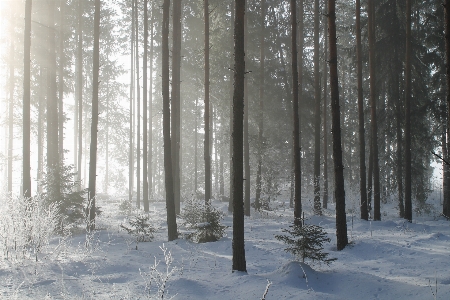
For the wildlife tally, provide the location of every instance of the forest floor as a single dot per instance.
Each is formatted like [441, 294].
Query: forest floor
[389, 259]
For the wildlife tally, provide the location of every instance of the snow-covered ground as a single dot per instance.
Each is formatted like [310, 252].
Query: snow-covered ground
[391, 259]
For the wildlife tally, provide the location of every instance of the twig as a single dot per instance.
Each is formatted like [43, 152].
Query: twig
[441, 158]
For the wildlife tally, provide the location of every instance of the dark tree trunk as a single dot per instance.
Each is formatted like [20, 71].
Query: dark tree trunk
[446, 203]
[94, 124]
[317, 206]
[408, 202]
[339, 191]
[170, 204]
[79, 86]
[26, 100]
[207, 154]
[445, 169]
[131, 154]
[261, 107]
[295, 101]
[247, 178]
[239, 263]
[373, 113]
[176, 103]
[230, 201]
[362, 142]
[138, 112]
[325, 115]
[144, 110]
[396, 86]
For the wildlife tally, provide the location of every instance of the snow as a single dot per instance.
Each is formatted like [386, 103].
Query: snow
[389, 259]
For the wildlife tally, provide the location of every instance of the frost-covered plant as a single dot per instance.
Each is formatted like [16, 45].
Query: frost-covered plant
[26, 225]
[306, 241]
[125, 207]
[139, 227]
[204, 220]
[158, 280]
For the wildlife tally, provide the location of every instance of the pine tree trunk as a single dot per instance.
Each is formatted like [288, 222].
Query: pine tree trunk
[239, 263]
[40, 125]
[61, 84]
[373, 113]
[11, 107]
[26, 100]
[94, 124]
[339, 191]
[247, 178]
[138, 110]
[295, 101]
[195, 148]
[408, 202]
[325, 115]
[206, 154]
[230, 200]
[446, 203]
[362, 142]
[144, 110]
[150, 113]
[170, 204]
[79, 86]
[131, 154]
[176, 104]
[317, 208]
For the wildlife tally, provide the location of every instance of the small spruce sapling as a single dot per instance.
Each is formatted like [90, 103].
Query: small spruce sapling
[140, 228]
[306, 242]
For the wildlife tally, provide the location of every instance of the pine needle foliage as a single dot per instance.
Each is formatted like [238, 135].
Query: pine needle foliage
[306, 242]
[139, 227]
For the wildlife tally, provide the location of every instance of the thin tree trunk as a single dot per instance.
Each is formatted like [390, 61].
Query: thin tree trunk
[239, 263]
[106, 183]
[131, 153]
[325, 115]
[144, 110]
[170, 204]
[446, 203]
[339, 191]
[295, 101]
[94, 124]
[408, 202]
[40, 125]
[247, 178]
[230, 200]
[207, 155]
[79, 86]
[138, 112]
[195, 148]
[11, 106]
[362, 143]
[150, 113]
[396, 86]
[26, 100]
[317, 208]
[373, 113]
[176, 103]
[61, 84]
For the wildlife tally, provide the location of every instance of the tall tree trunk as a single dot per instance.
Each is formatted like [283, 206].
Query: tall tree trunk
[106, 183]
[11, 106]
[131, 153]
[144, 110]
[176, 103]
[40, 137]
[207, 155]
[295, 101]
[445, 170]
[325, 115]
[446, 204]
[239, 263]
[195, 148]
[61, 84]
[373, 113]
[247, 178]
[170, 204]
[150, 113]
[261, 107]
[362, 142]
[339, 191]
[26, 100]
[408, 202]
[317, 206]
[138, 112]
[94, 124]
[396, 86]
[233, 19]
[79, 86]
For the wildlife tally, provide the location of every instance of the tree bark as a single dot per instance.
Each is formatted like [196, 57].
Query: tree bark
[170, 204]
[247, 178]
[150, 112]
[79, 86]
[138, 110]
[317, 206]
[230, 200]
[131, 153]
[446, 203]
[26, 100]
[339, 191]
[144, 110]
[325, 115]
[94, 124]
[239, 263]
[61, 84]
[206, 154]
[362, 142]
[408, 202]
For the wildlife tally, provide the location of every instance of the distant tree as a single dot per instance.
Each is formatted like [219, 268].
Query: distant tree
[317, 131]
[446, 206]
[79, 88]
[138, 109]
[144, 110]
[170, 204]
[26, 100]
[61, 64]
[339, 190]
[239, 263]
[131, 150]
[94, 124]
[206, 153]
[325, 114]
[408, 202]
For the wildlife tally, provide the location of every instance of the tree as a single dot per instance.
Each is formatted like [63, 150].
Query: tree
[325, 115]
[144, 109]
[408, 204]
[246, 143]
[239, 263]
[207, 155]
[131, 152]
[170, 204]
[339, 191]
[295, 101]
[362, 143]
[373, 113]
[79, 89]
[317, 208]
[138, 112]
[94, 124]
[26, 101]
[446, 206]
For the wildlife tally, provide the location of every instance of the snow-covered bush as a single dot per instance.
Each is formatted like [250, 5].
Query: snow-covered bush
[204, 220]
[139, 227]
[26, 226]
[306, 241]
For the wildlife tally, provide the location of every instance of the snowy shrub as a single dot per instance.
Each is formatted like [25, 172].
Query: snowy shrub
[306, 242]
[125, 207]
[26, 226]
[204, 219]
[139, 227]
